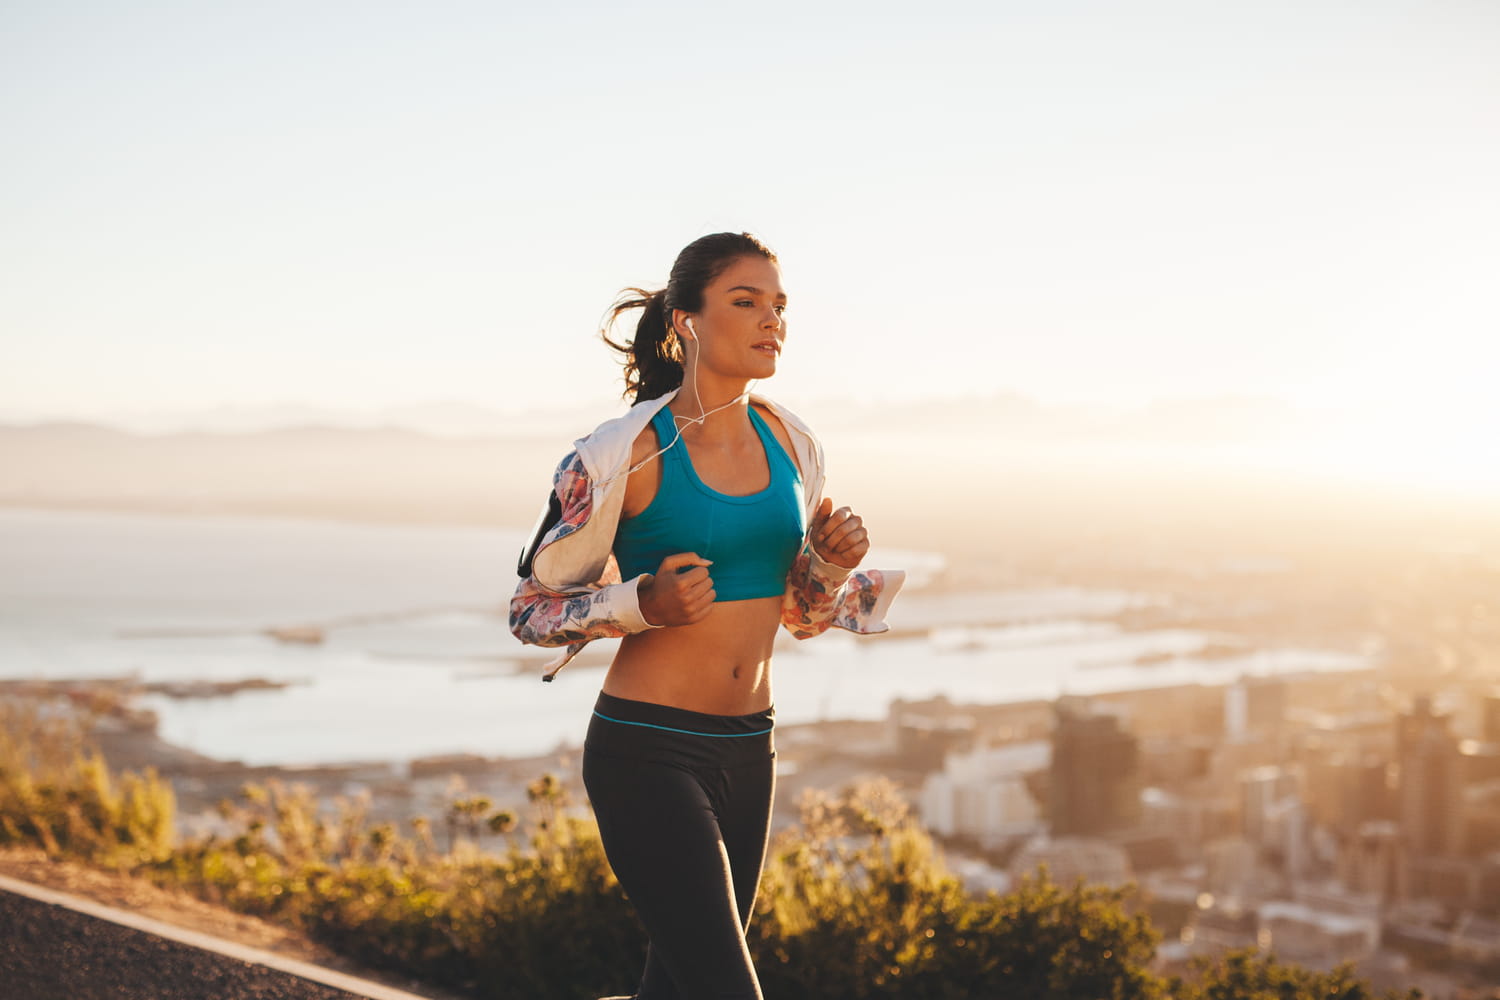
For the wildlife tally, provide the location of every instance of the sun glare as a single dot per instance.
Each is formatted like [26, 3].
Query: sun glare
[1433, 449]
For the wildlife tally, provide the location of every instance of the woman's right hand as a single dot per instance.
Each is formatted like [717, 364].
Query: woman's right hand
[680, 593]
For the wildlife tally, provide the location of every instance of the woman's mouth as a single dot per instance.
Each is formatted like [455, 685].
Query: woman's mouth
[770, 348]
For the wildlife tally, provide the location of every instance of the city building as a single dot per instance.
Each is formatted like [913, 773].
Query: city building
[1262, 791]
[982, 794]
[1095, 784]
[1254, 706]
[1373, 862]
[1232, 871]
[1217, 928]
[1489, 714]
[1429, 791]
[1316, 938]
[1452, 882]
[1344, 791]
[1068, 859]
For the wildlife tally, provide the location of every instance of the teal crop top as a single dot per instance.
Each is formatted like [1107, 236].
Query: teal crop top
[751, 539]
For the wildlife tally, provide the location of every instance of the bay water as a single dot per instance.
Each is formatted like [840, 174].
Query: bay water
[416, 658]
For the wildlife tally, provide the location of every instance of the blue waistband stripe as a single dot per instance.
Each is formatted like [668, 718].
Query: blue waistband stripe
[688, 732]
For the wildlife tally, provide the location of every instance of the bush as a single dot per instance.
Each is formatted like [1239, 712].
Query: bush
[61, 796]
[854, 903]
[1249, 975]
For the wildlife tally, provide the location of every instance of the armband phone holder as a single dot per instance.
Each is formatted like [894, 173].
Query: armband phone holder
[545, 523]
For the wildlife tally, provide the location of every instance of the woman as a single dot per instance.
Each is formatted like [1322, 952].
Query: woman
[691, 527]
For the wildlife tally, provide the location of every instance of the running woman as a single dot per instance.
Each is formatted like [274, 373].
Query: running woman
[691, 527]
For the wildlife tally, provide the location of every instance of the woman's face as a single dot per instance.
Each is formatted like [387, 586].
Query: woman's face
[740, 329]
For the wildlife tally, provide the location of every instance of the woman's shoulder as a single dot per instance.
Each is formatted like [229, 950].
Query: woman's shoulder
[796, 436]
[794, 424]
[611, 444]
[776, 425]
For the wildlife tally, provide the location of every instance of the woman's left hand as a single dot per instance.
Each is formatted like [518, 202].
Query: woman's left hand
[839, 536]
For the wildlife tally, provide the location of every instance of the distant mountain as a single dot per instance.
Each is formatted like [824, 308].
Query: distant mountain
[1209, 420]
[1218, 419]
[990, 478]
[387, 474]
[447, 419]
[902, 462]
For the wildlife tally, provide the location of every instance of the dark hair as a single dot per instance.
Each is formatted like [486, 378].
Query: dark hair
[653, 359]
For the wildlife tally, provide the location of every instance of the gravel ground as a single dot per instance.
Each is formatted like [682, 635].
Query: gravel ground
[48, 952]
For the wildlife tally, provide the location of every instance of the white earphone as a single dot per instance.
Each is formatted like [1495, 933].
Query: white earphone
[681, 422]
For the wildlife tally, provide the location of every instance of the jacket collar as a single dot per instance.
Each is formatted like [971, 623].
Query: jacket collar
[606, 451]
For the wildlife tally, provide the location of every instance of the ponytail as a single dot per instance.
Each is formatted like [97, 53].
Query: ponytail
[653, 359]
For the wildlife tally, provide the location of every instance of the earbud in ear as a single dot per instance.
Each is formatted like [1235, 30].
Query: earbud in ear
[690, 327]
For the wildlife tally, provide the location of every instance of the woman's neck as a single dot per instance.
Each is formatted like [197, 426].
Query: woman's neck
[714, 405]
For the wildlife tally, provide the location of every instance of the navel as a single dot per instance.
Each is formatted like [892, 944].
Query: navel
[736, 673]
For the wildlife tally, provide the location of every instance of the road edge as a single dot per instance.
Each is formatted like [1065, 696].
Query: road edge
[207, 942]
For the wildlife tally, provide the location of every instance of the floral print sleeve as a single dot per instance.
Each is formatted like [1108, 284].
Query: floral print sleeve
[820, 595]
[540, 616]
[606, 608]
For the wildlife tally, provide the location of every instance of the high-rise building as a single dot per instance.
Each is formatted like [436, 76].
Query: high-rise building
[983, 793]
[1254, 705]
[1095, 784]
[1489, 714]
[1344, 792]
[1370, 862]
[1429, 793]
[1262, 789]
[1273, 817]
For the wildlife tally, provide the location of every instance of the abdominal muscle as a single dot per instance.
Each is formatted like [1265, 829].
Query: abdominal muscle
[720, 665]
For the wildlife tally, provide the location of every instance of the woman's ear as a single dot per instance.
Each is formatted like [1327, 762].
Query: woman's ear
[682, 323]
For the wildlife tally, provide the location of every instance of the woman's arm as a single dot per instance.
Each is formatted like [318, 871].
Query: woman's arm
[607, 608]
[540, 616]
[823, 589]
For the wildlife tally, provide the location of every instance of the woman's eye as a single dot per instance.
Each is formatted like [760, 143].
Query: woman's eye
[745, 302]
[780, 310]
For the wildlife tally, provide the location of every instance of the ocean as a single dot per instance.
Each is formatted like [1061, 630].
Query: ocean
[416, 658]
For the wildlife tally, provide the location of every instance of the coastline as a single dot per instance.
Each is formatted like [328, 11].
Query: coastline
[107, 719]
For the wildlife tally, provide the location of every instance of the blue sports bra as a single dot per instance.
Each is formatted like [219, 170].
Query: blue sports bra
[751, 540]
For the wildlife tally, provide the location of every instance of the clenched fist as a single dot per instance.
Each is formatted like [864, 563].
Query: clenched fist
[680, 593]
[839, 536]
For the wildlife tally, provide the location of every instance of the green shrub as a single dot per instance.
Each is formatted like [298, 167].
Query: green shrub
[1249, 975]
[854, 904]
[60, 795]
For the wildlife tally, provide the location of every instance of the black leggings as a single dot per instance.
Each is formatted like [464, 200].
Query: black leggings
[683, 801]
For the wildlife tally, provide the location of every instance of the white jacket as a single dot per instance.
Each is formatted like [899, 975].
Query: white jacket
[573, 593]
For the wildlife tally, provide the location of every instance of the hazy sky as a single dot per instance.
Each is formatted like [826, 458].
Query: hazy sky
[365, 204]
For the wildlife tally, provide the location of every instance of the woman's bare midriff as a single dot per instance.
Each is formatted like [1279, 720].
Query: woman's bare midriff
[720, 665]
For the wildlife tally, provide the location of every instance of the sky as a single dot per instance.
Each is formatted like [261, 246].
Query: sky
[363, 205]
